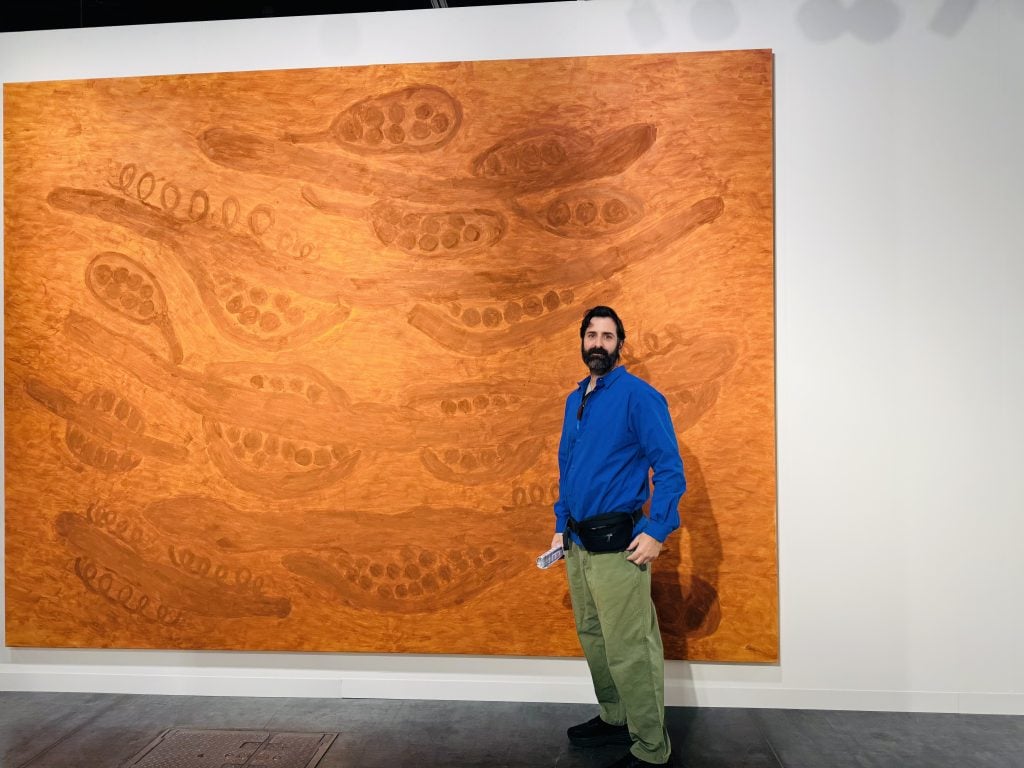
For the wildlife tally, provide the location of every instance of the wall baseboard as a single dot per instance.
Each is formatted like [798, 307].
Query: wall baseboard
[383, 685]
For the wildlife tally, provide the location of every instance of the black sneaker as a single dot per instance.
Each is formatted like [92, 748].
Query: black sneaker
[597, 733]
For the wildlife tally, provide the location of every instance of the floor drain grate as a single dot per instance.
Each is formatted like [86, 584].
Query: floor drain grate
[201, 748]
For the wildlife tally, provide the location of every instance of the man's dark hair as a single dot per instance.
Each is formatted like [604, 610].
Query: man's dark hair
[601, 311]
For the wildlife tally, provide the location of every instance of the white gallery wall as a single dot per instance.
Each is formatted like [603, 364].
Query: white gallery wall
[900, 332]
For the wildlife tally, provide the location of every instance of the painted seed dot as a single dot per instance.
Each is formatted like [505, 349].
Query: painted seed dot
[294, 315]
[471, 233]
[270, 322]
[424, 110]
[420, 130]
[440, 123]
[350, 130]
[259, 459]
[107, 400]
[427, 559]
[464, 405]
[431, 224]
[451, 455]
[120, 275]
[235, 304]
[498, 401]
[450, 238]
[146, 308]
[258, 296]
[448, 407]
[614, 211]
[376, 570]
[112, 290]
[339, 452]
[551, 301]
[386, 233]
[233, 433]
[552, 152]
[530, 157]
[480, 401]
[384, 591]
[415, 589]
[257, 381]
[296, 385]
[428, 243]
[471, 317]
[282, 301]
[430, 583]
[566, 296]
[373, 116]
[393, 571]
[401, 590]
[492, 166]
[102, 274]
[129, 300]
[492, 317]
[445, 573]
[395, 134]
[513, 312]
[488, 457]
[468, 462]
[303, 457]
[412, 571]
[559, 214]
[457, 220]
[396, 113]
[121, 410]
[271, 444]
[277, 383]
[532, 306]
[134, 281]
[586, 212]
[249, 315]
[365, 582]
[407, 240]
[374, 136]
[322, 457]
[489, 553]
[252, 440]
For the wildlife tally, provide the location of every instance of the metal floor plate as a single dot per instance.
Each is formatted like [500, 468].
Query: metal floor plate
[200, 748]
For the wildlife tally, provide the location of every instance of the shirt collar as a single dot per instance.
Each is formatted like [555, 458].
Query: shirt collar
[607, 380]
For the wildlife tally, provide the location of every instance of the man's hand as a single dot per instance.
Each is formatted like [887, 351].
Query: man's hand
[644, 548]
[556, 540]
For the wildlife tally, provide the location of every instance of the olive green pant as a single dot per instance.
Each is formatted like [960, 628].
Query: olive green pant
[618, 629]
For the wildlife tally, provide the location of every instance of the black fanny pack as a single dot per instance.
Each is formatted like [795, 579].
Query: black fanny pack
[606, 533]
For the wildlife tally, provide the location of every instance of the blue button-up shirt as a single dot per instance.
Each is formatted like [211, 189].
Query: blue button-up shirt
[604, 457]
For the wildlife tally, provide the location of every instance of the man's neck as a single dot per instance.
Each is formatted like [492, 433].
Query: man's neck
[594, 378]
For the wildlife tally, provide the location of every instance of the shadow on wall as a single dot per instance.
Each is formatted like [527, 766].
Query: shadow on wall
[872, 21]
[688, 608]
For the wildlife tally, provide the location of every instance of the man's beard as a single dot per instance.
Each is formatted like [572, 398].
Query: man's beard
[598, 361]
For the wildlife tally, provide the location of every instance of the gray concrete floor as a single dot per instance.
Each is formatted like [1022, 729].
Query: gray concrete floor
[51, 730]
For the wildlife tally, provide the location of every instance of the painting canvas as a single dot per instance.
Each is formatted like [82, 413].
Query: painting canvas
[286, 352]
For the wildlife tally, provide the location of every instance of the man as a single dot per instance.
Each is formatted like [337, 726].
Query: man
[616, 429]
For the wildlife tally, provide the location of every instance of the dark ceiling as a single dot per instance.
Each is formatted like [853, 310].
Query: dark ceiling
[21, 15]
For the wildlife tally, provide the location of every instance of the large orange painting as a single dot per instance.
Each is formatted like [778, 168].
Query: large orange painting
[286, 352]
